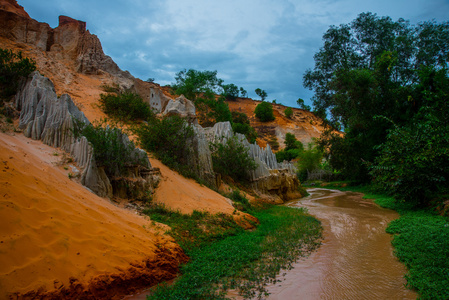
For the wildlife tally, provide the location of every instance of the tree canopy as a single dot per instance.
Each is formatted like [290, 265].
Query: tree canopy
[375, 78]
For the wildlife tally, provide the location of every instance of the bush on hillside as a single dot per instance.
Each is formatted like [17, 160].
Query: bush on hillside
[240, 124]
[288, 112]
[125, 106]
[232, 159]
[167, 138]
[109, 149]
[13, 67]
[264, 111]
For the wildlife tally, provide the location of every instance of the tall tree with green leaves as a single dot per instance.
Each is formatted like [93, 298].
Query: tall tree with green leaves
[194, 84]
[261, 93]
[366, 68]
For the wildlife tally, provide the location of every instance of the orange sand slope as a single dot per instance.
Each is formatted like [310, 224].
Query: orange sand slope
[57, 238]
[186, 195]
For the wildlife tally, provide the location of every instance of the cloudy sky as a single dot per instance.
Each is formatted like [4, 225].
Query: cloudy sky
[265, 44]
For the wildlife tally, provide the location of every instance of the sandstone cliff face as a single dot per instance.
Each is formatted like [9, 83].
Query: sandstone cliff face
[70, 39]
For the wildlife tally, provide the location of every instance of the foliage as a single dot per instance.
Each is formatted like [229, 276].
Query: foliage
[13, 67]
[291, 142]
[111, 152]
[230, 91]
[232, 159]
[302, 104]
[247, 261]
[261, 93]
[193, 84]
[201, 87]
[239, 201]
[264, 111]
[372, 67]
[125, 106]
[421, 242]
[240, 124]
[239, 117]
[288, 112]
[308, 160]
[293, 148]
[243, 92]
[194, 230]
[168, 139]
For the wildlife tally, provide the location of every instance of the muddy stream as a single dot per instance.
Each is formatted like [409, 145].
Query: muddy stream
[355, 260]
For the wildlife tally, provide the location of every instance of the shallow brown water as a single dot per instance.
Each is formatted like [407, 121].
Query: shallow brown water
[355, 260]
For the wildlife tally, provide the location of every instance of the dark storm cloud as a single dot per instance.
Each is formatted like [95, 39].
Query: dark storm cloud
[265, 44]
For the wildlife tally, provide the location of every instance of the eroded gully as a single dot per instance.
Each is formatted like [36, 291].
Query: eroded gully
[355, 260]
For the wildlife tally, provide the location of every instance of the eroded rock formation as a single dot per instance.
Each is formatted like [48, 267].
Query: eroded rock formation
[46, 117]
[273, 181]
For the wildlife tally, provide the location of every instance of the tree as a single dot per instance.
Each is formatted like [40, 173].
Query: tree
[366, 68]
[264, 111]
[291, 142]
[413, 164]
[230, 91]
[309, 160]
[293, 148]
[302, 104]
[261, 93]
[193, 84]
[243, 92]
[288, 112]
[126, 106]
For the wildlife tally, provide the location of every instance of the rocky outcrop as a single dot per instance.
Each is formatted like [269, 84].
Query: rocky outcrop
[46, 117]
[271, 180]
[70, 38]
[12, 6]
[200, 158]
[180, 106]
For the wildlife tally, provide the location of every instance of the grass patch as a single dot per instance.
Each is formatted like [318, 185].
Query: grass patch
[421, 242]
[195, 230]
[243, 260]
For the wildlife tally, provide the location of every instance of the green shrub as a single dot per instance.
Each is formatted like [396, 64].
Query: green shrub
[309, 160]
[126, 106]
[240, 124]
[247, 130]
[240, 201]
[110, 150]
[264, 111]
[13, 67]
[231, 159]
[167, 138]
[288, 154]
[288, 112]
